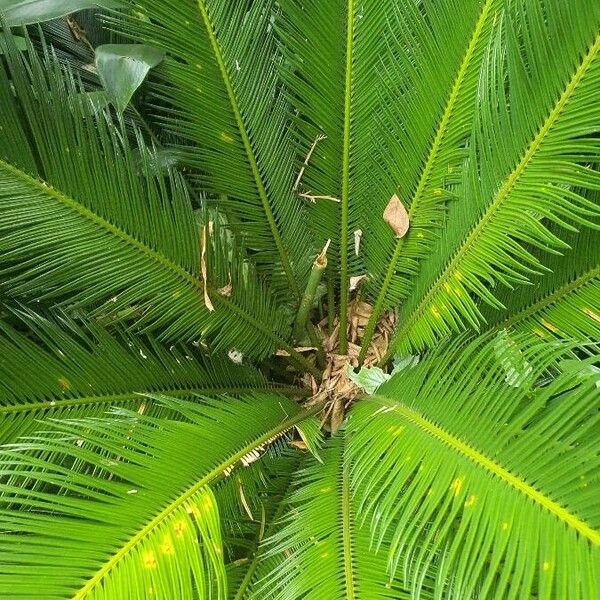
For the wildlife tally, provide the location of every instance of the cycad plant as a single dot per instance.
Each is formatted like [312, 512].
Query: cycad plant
[299, 299]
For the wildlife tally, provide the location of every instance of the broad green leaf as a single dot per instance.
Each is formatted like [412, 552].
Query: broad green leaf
[122, 68]
[368, 378]
[26, 12]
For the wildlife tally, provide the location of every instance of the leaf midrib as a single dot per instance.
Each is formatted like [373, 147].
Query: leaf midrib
[128, 396]
[274, 523]
[425, 173]
[182, 498]
[262, 192]
[500, 196]
[492, 467]
[344, 280]
[346, 508]
[550, 299]
[155, 256]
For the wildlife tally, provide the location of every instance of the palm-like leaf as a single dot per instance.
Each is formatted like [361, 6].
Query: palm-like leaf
[373, 57]
[436, 96]
[564, 305]
[482, 475]
[69, 371]
[144, 377]
[134, 508]
[104, 236]
[333, 557]
[515, 181]
[218, 92]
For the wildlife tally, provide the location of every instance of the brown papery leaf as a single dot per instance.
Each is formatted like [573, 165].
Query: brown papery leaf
[355, 281]
[396, 217]
[207, 301]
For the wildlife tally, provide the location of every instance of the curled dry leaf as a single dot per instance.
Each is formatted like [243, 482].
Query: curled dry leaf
[301, 445]
[357, 237]
[355, 281]
[207, 301]
[396, 217]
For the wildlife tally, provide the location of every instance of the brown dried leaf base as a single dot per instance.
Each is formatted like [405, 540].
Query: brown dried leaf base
[336, 389]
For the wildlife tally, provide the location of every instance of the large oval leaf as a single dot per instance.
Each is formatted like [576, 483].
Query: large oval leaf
[122, 68]
[26, 12]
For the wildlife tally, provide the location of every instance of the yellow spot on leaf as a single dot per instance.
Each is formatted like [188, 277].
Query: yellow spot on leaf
[539, 333]
[458, 275]
[447, 287]
[149, 560]
[504, 525]
[456, 485]
[395, 429]
[325, 555]
[590, 313]
[198, 66]
[470, 501]
[420, 234]
[178, 528]
[435, 312]
[226, 138]
[325, 490]
[438, 192]
[64, 383]
[430, 491]
[549, 326]
[546, 566]
[167, 547]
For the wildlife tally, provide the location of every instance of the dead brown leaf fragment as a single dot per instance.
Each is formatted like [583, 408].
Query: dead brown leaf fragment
[396, 217]
[336, 389]
[355, 281]
[226, 290]
[301, 445]
[207, 301]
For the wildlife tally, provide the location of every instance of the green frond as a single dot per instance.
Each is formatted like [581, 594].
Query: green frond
[564, 304]
[321, 530]
[124, 504]
[97, 233]
[60, 369]
[218, 92]
[266, 508]
[483, 474]
[331, 51]
[534, 139]
[429, 96]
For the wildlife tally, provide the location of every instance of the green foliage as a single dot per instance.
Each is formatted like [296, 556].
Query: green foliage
[122, 68]
[25, 12]
[170, 171]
